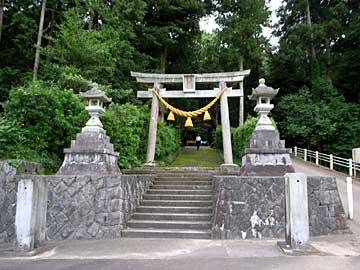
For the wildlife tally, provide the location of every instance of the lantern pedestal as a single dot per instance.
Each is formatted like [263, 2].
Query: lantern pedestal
[91, 153]
[266, 155]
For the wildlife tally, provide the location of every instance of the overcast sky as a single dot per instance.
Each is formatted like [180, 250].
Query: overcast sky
[208, 24]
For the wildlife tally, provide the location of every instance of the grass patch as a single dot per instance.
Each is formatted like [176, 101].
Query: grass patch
[205, 157]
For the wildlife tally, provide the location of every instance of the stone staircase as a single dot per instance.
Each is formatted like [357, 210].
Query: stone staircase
[177, 205]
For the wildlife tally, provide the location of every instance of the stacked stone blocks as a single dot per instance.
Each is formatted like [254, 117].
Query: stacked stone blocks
[254, 207]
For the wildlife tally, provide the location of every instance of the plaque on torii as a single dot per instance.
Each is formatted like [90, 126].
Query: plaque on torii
[189, 91]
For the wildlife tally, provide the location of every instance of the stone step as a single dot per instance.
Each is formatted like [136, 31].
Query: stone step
[183, 182]
[183, 177]
[189, 187]
[173, 209]
[169, 233]
[177, 197]
[180, 191]
[163, 224]
[175, 203]
[172, 216]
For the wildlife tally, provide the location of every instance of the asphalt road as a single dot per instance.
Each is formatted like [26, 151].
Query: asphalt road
[308, 263]
[310, 169]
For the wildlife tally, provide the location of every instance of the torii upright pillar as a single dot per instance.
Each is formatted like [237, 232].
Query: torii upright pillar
[225, 127]
[154, 116]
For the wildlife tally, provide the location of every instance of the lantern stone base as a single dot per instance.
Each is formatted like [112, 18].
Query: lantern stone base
[266, 155]
[90, 154]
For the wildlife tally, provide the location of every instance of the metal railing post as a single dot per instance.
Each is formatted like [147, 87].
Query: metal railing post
[295, 151]
[350, 167]
[317, 157]
[305, 155]
[331, 162]
[350, 197]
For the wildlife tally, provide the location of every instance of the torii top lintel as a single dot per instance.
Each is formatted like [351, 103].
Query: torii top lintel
[236, 76]
[189, 84]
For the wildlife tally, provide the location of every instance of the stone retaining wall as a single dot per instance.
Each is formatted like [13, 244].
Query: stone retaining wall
[254, 207]
[79, 207]
[8, 189]
[85, 207]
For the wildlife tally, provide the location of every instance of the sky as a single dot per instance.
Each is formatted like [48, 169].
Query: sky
[208, 24]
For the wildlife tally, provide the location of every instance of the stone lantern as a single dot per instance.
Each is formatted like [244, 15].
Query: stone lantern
[263, 94]
[91, 153]
[95, 107]
[265, 154]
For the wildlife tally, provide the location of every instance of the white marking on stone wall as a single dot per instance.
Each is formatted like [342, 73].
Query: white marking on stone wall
[255, 221]
[243, 234]
[270, 221]
[238, 202]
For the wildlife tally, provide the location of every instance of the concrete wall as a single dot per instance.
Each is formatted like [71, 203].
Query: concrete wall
[254, 207]
[79, 207]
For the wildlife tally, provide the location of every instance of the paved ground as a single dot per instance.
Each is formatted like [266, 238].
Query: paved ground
[335, 252]
[311, 169]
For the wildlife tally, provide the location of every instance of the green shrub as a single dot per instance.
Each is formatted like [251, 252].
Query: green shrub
[241, 136]
[44, 119]
[128, 127]
[167, 143]
[126, 124]
[217, 142]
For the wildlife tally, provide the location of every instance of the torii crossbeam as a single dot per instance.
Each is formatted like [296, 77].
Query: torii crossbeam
[189, 91]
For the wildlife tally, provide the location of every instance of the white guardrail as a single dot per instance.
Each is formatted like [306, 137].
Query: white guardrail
[332, 160]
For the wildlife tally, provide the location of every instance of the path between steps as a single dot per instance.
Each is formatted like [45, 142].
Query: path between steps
[205, 157]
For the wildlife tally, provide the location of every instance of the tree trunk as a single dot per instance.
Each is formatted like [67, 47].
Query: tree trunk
[163, 55]
[51, 30]
[328, 56]
[241, 101]
[2, 3]
[308, 18]
[38, 43]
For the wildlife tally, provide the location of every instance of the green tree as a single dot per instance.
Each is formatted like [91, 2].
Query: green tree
[167, 27]
[241, 25]
[330, 125]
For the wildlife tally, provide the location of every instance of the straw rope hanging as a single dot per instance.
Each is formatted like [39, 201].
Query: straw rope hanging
[189, 114]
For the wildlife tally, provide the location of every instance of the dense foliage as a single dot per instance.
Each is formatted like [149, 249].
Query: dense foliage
[330, 125]
[39, 122]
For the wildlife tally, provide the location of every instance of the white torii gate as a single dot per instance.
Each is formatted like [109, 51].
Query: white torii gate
[189, 91]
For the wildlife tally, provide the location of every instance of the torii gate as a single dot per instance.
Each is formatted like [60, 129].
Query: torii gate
[189, 91]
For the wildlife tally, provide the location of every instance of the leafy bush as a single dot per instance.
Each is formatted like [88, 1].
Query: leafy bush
[218, 143]
[241, 136]
[127, 125]
[43, 119]
[167, 143]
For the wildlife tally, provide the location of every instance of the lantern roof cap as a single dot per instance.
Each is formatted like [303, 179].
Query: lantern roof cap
[263, 91]
[95, 93]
